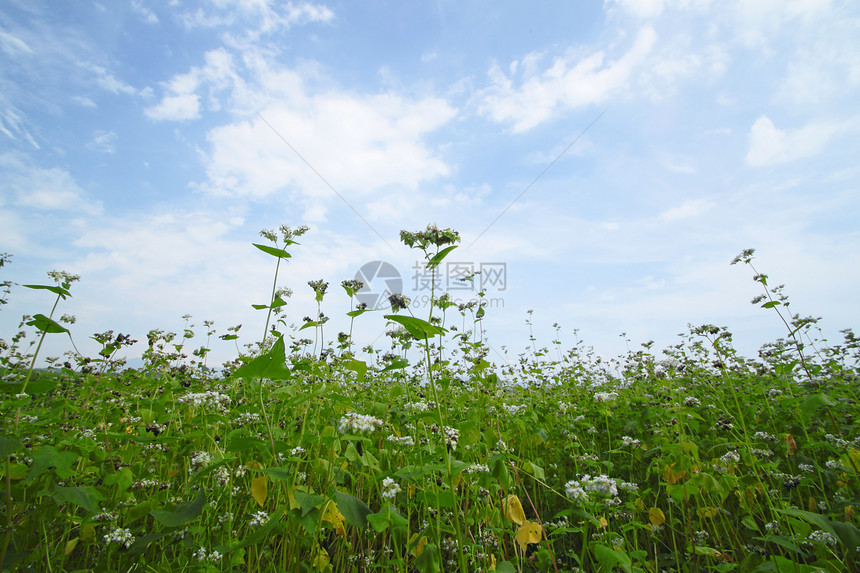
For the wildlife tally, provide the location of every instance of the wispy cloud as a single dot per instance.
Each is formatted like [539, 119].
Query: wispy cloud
[574, 80]
[769, 145]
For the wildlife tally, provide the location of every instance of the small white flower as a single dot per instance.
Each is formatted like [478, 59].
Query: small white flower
[358, 423]
[259, 518]
[605, 396]
[390, 488]
[121, 536]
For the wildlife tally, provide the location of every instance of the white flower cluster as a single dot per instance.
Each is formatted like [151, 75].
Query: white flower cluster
[808, 468]
[836, 441]
[822, 537]
[424, 406]
[452, 435]
[390, 488]
[353, 422]
[601, 485]
[726, 460]
[212, 557]
[402, 441]
[513, 410]
[628, 441]
[692, 402]
[297, 451]
[259, 518]
[201, 459]
[574, 491]
[835, 465]
[246, 418]
[605, 396]
[209, 400]
[121, 536]
[475, 468]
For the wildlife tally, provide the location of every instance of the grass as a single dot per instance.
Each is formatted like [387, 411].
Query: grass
[300, 457]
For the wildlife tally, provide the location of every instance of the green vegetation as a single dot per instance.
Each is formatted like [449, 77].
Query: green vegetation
[298, 456]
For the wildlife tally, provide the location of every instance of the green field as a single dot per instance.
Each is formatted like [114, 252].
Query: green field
[427, 457]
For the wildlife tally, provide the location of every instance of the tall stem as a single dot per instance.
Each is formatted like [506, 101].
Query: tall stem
[271, 300]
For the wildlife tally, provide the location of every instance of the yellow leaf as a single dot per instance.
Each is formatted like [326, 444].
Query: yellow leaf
[258, 490]
[254, 465]
[603, 522]
[792, 445]
[849, 512]
[88, 533]
[492, 566]
[70, 545]
[671, 476]
[656, 516]
[529, 533]
[332, 515]
[418, 548]
[514, 510]
[321, 561]
[639, 504]
[813, 507]
[708, 512]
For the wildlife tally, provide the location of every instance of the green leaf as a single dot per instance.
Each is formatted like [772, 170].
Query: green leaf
[396, 365]
[437, 258]
[771, 304]
[353, 509]
[54, 289]
[85, 497]
[48, 457]
[813, 518]
[44, 324]
[417, 327]
[182, 513]
[387, 517]
[271, 365]
[9, 445]
[506, 567]
[275, 252]
[430, 560]
[609, 558]
[307, 501]
[238, 443]
[357, 366]
[812, 403]
[354, 313]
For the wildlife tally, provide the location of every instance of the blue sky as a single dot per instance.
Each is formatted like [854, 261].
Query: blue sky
[143, 145]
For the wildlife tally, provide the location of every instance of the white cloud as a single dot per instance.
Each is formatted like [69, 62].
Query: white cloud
[181, 102]
[637, 8]
[44, 189]
[571, 81]
[103, 141]
[108, 81]
[771, 146]
[259, 16]
[176, 108]
[357, 143]
[147, 15]
[688, 209]
[13, 45]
